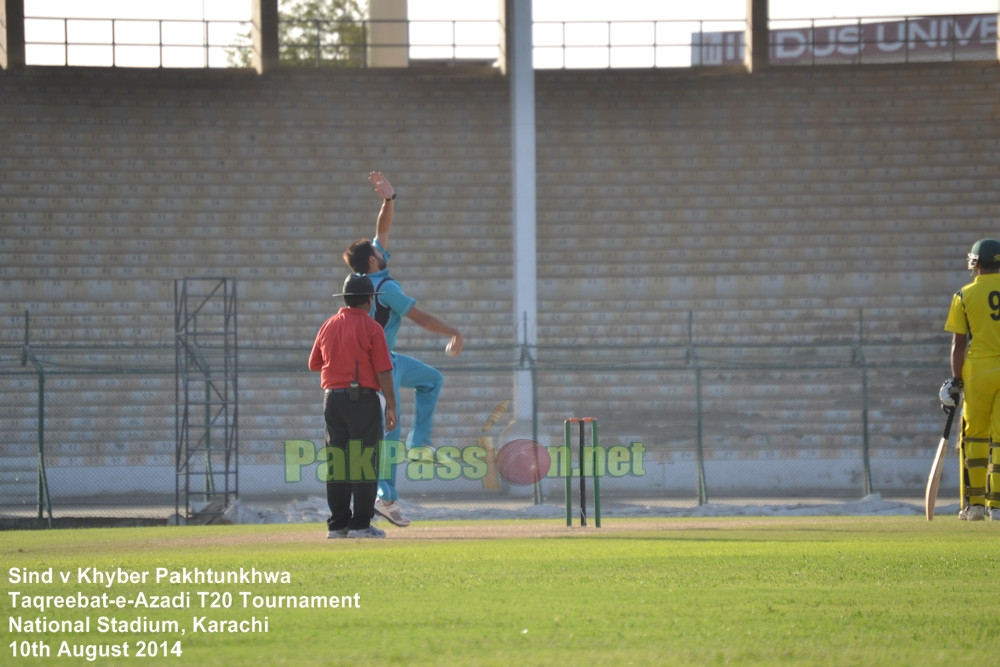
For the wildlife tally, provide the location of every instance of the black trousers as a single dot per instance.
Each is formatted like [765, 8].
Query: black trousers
[353, 436]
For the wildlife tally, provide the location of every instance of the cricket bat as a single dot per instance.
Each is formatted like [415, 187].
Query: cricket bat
[934, 479]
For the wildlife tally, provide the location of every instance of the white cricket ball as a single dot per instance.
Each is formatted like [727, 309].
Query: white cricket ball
[450, 351]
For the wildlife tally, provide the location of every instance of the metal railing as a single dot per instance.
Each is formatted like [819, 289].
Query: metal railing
[112, 42]
[622, 44]
[557, 44]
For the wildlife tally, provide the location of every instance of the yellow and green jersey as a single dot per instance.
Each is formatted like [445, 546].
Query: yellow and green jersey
[975, 312]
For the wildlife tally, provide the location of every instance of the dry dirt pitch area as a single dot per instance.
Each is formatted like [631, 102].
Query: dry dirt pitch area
[481, 530]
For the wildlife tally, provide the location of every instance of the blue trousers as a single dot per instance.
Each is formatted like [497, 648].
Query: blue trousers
[426, 383]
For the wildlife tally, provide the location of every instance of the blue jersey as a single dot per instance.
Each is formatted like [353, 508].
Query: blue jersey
[393, 298]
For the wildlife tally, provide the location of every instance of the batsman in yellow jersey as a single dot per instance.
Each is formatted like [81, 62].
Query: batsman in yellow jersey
[974, 322]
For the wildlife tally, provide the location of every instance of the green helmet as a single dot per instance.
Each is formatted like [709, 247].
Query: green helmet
[985, 250]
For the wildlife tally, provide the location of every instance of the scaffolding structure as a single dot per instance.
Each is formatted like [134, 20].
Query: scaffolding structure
[207, 406]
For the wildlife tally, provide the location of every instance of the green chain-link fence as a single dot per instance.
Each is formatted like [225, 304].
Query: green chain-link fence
[91, 432]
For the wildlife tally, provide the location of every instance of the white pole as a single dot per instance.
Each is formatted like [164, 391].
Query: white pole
[523, 173]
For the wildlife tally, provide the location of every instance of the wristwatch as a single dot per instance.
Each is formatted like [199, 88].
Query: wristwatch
[392, 198]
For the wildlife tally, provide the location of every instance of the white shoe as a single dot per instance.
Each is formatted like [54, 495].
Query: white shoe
[391, 511]
[994, 514]
[336, 534]
[975, 513]
[370, 531]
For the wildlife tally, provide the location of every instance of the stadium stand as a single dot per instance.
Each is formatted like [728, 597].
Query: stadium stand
[757, 216]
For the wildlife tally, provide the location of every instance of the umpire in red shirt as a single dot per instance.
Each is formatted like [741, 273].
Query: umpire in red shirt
[352, 357]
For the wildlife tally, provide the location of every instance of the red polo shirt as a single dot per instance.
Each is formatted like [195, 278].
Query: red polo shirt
[350, 336]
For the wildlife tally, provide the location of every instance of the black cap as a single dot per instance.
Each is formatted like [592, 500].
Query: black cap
[358, 285]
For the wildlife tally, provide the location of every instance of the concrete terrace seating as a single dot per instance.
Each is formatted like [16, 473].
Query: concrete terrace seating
[804, 206]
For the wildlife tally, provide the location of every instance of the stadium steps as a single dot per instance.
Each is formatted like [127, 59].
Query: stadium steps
[18, 479]
[772, 206]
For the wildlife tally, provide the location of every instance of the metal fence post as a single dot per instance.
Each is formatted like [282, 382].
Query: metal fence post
[702, 486]
[44, 502]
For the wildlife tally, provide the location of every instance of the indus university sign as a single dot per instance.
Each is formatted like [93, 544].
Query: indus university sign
[963, 37]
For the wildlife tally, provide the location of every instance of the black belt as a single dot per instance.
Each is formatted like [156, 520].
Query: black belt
[363, 390]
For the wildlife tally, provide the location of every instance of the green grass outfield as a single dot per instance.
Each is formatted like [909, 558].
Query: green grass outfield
[803, 591]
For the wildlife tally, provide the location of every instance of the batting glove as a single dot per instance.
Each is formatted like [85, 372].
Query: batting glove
[951, 392]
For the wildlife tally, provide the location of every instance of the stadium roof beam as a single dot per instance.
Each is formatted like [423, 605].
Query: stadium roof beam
[11, 34]
[757, 56]
[264, 35]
